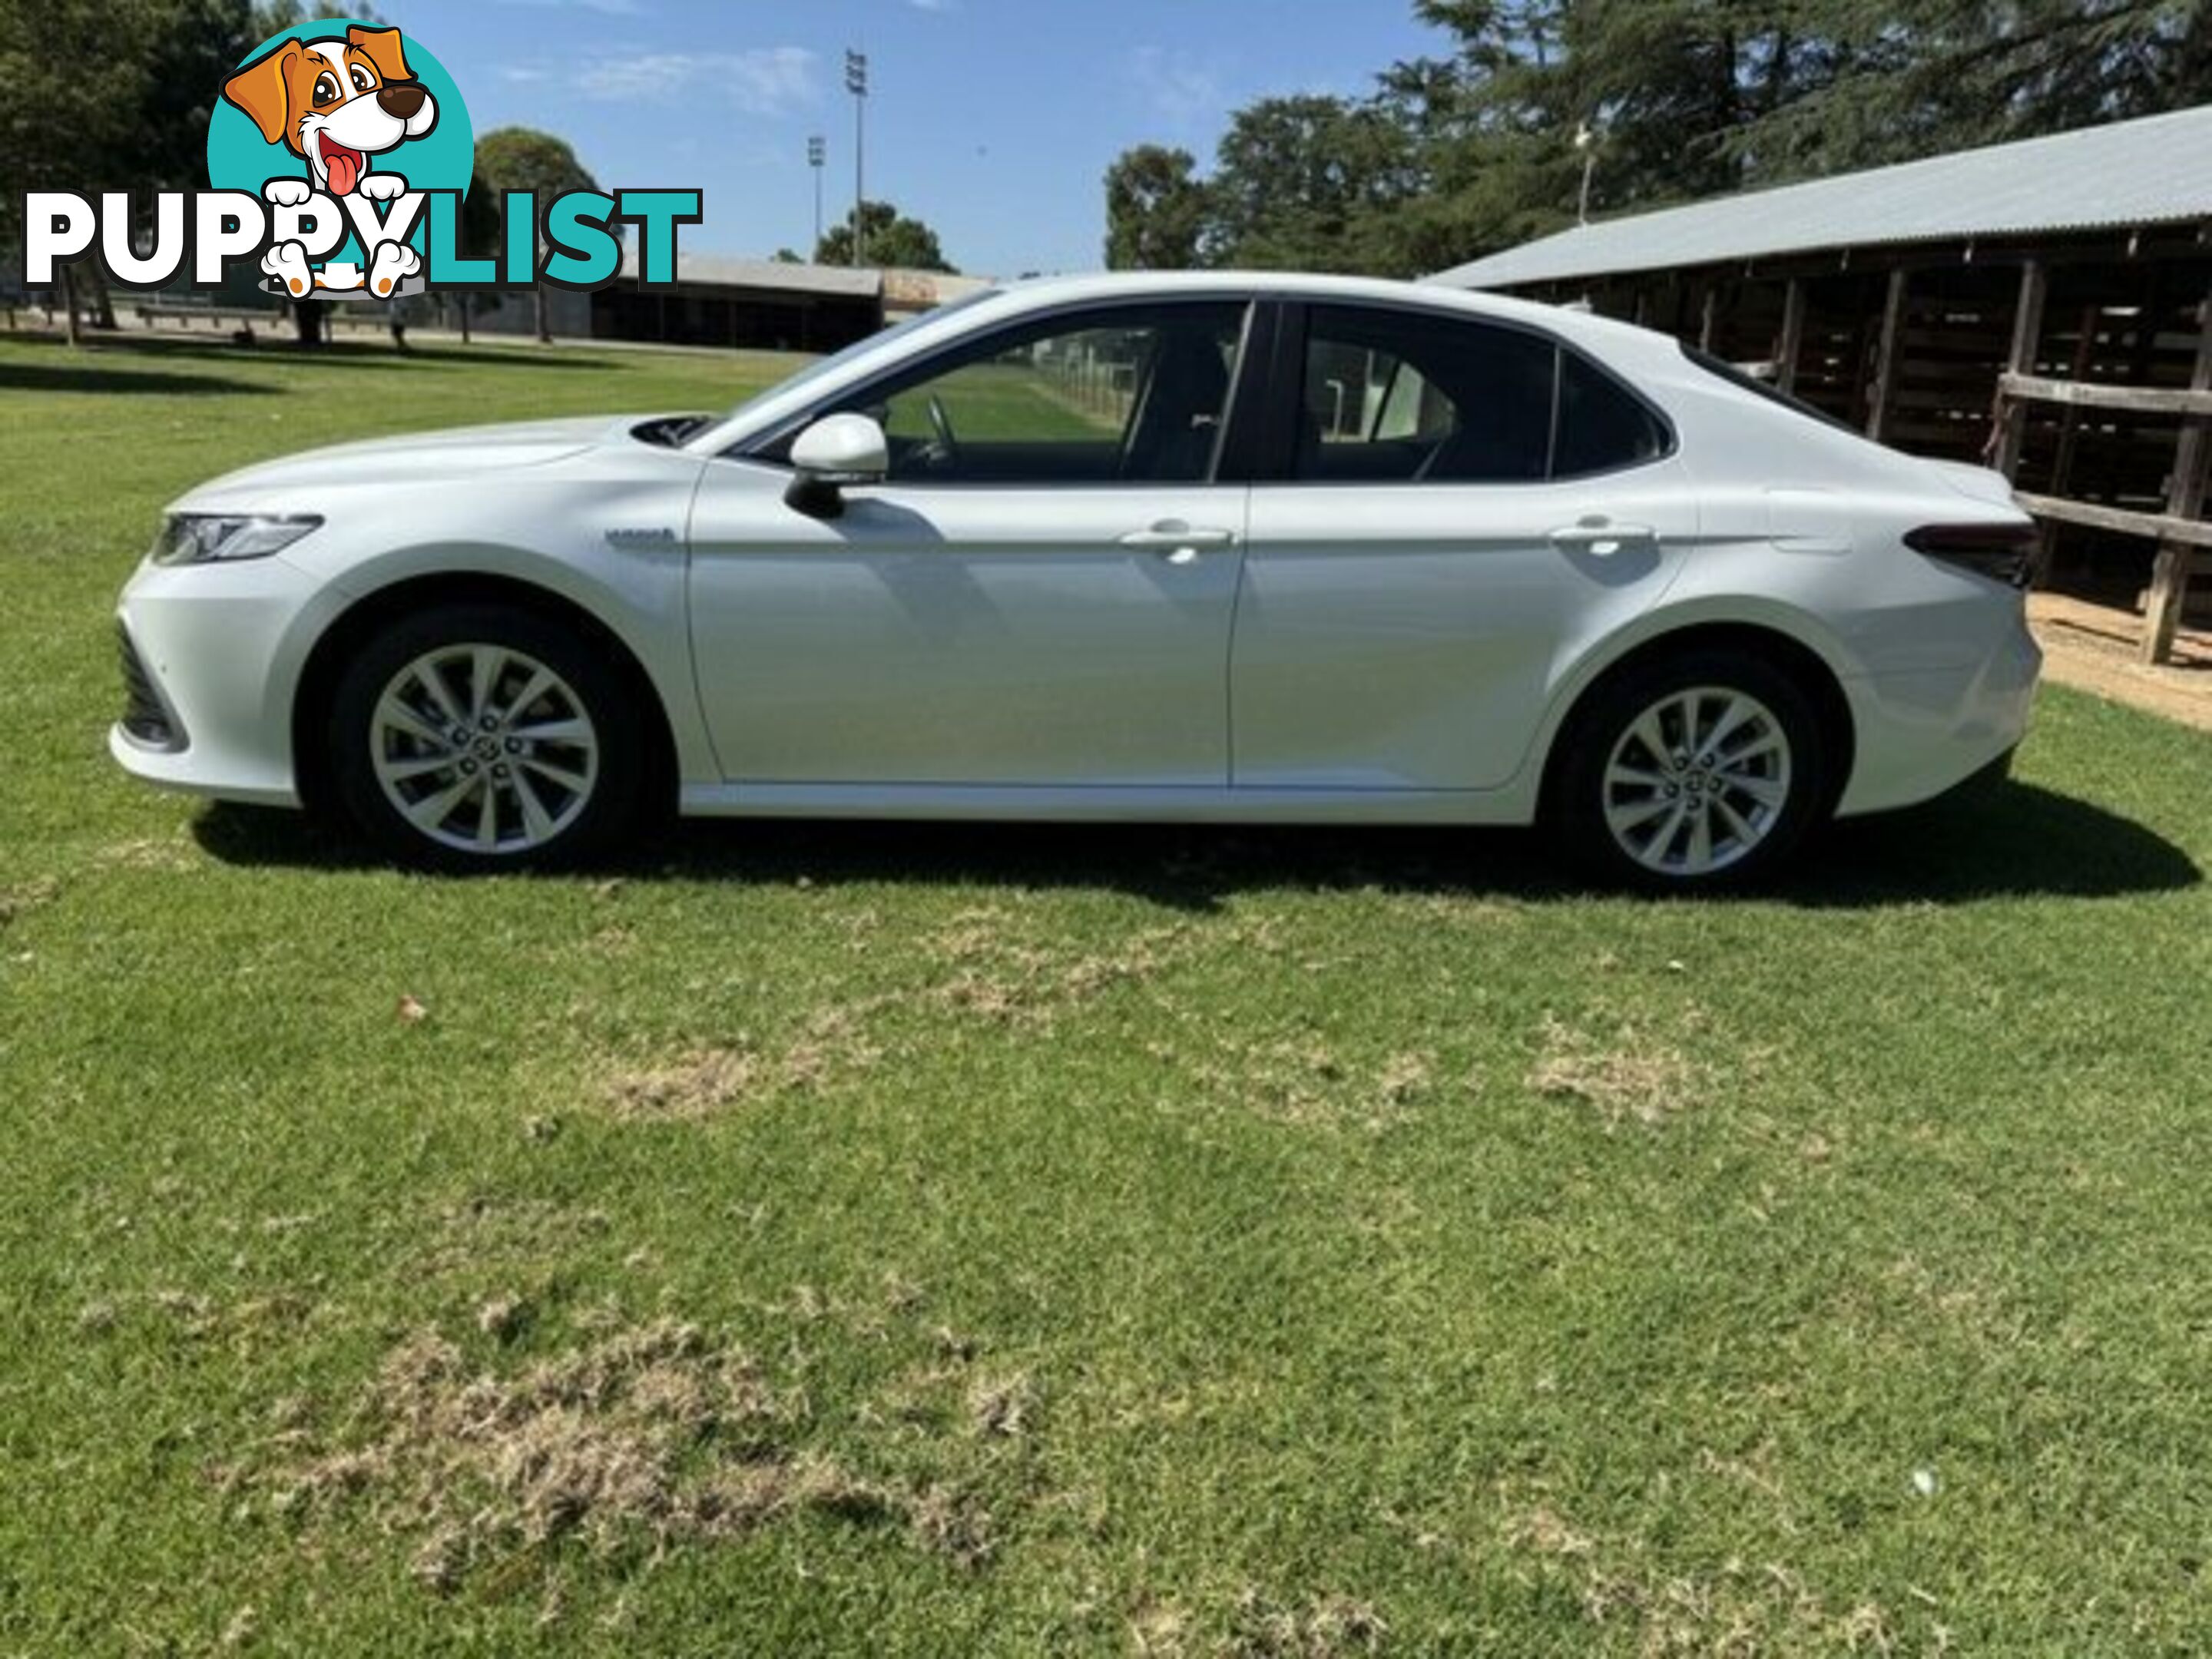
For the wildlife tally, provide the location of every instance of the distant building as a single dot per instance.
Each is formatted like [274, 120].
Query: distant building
[719, 301]
[2073, 273]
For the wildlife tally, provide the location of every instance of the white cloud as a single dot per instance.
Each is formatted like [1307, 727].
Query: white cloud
[765, 81]
[1179, 88]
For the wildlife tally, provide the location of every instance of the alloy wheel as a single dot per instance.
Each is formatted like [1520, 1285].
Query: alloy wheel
[1697, 781]
[483, 749]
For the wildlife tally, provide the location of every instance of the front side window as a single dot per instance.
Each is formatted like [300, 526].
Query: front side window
[1121, 395]
[1400, 397]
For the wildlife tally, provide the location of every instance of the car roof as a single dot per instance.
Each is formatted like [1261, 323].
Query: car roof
[1313, 285]
[1623, 344]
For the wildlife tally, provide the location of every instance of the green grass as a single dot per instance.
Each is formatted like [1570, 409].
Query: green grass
[1000, 402]
[1003, 1240]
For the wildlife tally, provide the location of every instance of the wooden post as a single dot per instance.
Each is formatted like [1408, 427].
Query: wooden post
[1885, 363]
[2185, 499]
[2026, 331]
[1792, 344]
[2069, 418]
[1708, 314]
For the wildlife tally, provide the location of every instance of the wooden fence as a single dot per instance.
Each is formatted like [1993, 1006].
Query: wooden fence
[2180, 529]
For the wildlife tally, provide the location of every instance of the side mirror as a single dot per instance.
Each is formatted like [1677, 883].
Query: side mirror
[835, 450]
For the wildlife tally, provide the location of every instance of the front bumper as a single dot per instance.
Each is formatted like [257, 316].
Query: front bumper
[219, 649]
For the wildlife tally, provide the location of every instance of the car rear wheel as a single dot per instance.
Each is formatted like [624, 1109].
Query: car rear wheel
[479, 737]
[1698, 771]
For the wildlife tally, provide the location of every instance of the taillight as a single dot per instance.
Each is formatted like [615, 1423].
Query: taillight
[2002, 552]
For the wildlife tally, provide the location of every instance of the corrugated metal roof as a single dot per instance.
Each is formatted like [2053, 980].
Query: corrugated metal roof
[720, 270]
[2152, 171]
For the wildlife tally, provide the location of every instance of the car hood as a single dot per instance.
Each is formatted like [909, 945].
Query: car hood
[416, 457]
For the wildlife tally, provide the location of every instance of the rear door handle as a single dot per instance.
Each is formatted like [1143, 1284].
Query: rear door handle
[1602, 537]
[1178, 544]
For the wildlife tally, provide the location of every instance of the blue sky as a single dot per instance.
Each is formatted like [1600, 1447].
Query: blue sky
[992, 119]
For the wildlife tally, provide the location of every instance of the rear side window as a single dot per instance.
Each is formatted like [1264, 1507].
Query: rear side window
[1406, 396]
[1399, 396]
[1601, 427]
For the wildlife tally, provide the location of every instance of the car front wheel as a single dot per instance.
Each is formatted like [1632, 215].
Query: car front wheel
[475, 738]
[1698, 771]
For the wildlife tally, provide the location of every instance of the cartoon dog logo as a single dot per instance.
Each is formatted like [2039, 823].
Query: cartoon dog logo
[335, 104]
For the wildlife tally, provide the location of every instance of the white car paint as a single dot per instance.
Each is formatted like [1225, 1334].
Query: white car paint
[1225, 651]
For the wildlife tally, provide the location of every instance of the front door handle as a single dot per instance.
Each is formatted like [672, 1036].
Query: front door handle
[1176, 543]
[1602, 537]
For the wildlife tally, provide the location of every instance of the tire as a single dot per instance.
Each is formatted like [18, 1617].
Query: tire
[560, 749]
[1639, 806]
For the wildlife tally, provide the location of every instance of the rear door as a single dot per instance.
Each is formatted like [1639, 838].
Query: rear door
[1458, 507]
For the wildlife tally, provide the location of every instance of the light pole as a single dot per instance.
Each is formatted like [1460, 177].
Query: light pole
[818, 152]
[1586, 141]
[856, 83]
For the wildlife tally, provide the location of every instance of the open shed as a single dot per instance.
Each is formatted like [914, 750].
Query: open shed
[2044, 307]
[722, 302]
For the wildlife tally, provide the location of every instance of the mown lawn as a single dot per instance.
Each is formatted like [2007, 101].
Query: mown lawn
[920, 1241]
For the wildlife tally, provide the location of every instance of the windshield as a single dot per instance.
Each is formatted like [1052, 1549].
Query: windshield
[837, 359]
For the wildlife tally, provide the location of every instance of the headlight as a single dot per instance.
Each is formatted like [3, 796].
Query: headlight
[203, 537]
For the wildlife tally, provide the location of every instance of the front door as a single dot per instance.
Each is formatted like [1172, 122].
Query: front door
[1040, 593]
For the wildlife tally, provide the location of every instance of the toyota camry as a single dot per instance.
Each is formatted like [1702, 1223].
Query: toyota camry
[1196, 547]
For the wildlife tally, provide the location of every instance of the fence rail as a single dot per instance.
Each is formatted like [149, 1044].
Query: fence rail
[2182, 529]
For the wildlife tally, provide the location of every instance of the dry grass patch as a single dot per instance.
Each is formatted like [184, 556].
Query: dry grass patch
[830, 1044]
[168, 853]
[1631, 1075]
[1742, 1608]
[1323, 1627]
[482, 1236]
[990, 971]
[978, 964]
[1303, 1081]
[1002, 1405]
[26, 897]
[650, 1433]
[191, 1316]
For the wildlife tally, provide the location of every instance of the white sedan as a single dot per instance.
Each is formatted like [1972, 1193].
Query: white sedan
[1259, 549]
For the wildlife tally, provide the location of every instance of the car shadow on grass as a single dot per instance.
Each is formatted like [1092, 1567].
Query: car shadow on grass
[2011, 840]
[101, 363]
[99, 373]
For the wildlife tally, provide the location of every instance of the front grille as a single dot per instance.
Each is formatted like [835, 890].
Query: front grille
[144, 716]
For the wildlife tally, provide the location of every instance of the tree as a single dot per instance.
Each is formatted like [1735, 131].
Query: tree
[1474, 150]
[119, 94]
[889, 238]
[1157, 210]
[275, 16]
[70, 105]
[1307, 181]
[1968, 73]
[521, 158]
